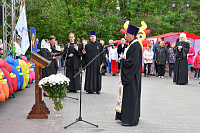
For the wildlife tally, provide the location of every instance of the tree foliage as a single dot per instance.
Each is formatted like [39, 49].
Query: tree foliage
[60, 17]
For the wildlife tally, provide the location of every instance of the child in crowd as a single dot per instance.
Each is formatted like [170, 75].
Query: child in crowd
[148, 59]
[197, 65]
[113, 58]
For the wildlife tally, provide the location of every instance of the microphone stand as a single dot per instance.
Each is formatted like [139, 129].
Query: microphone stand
[65, 72]
[80, 72]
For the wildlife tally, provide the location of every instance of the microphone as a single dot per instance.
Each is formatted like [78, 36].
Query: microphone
[108, 45]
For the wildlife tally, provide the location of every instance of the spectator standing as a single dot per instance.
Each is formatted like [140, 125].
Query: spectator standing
[1, 48]
[161, 59]
[120, 49]
[113, 58]
[104, 68]
[168, 45]
[190, 55]
[152, 72]
[148, 59]
[109, 63]
[155, 48]
[171, 59]
[197, 65]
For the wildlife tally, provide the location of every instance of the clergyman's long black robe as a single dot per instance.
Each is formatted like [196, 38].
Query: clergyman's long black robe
[47, 71]
[131, 70]
[93, 76]
[53, 48]
[181, 64]
[72, 66]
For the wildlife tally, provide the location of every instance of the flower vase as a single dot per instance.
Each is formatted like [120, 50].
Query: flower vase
[57, 106]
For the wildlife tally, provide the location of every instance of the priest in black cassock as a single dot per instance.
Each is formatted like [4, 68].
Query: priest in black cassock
[131, 70]
[72, 54]
[93, 76]
[52, 40]
[181, 65]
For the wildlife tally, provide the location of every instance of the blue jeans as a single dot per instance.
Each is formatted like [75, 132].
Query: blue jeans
[149, 68]
[171, 67]
[109, 66]
[197, 72]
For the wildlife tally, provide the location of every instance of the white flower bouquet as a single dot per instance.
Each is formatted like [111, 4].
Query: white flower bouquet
[56, 86]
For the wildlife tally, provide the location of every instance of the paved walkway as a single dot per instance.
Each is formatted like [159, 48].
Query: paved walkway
[165, 107]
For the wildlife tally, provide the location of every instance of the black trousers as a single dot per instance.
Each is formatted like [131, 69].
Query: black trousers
[149, 68]
[156, 66]
[161, 70]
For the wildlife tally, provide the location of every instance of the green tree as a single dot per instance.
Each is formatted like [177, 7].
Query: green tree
[60, 17]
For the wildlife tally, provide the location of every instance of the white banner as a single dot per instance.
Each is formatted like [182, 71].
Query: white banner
[21, 27]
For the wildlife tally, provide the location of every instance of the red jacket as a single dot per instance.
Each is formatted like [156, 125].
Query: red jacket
[196, 62]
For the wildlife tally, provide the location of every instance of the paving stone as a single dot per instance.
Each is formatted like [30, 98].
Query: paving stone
[165, 107]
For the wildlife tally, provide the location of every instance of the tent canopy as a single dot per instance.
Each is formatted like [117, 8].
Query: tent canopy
[190, 35]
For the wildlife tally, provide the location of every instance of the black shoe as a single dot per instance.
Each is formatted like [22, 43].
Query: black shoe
[90, 92]
[114, 75]
[126, 124]
[46, 95]
[74, 91]
[69, 91]
[147, 75]
[98, 92]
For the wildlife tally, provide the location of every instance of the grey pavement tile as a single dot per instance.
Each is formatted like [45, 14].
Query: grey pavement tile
[165, 107]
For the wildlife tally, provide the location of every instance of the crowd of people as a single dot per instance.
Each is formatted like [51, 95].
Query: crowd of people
[163, 56]
[157, 58]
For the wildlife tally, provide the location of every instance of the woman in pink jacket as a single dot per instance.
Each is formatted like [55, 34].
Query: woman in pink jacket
[197, 65]
[190, 55]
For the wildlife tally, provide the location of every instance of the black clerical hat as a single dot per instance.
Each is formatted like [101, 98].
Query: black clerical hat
[92, 33]
[132, 30]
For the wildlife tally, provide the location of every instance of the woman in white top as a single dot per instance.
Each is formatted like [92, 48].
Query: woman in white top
[113, 58]
[148, 59]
